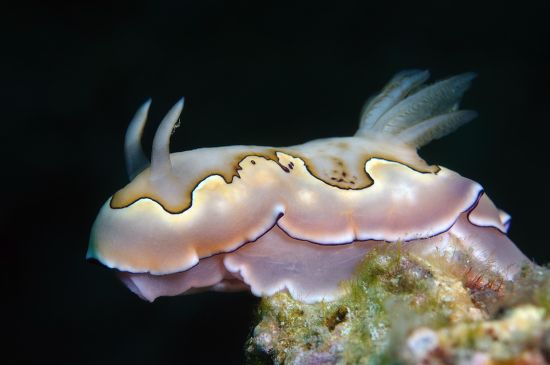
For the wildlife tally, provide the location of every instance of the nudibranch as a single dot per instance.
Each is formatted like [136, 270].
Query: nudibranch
[298, 218]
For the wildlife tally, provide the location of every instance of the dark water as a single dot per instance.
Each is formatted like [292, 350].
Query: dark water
[74, 73]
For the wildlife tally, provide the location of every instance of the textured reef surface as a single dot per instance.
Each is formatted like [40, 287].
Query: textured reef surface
[405, 308]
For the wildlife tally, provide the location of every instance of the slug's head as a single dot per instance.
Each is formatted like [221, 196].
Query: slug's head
[133, 207]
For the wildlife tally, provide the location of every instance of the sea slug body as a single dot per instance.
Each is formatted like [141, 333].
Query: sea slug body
[298, 218]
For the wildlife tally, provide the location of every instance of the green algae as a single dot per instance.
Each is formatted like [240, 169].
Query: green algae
[394, 294]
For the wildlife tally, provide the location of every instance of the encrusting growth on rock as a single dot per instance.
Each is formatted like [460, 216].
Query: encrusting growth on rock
[403, 308]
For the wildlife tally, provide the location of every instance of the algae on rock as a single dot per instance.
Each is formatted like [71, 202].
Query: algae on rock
[402, 308]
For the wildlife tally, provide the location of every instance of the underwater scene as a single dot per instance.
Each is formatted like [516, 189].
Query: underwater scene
[244, 183]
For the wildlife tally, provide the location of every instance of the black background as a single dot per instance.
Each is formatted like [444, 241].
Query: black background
[73, 74]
